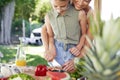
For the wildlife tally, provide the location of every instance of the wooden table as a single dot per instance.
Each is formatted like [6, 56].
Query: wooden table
[31, 71]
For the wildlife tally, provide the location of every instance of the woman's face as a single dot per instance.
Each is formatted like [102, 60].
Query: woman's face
[60, 6]
[81, 4]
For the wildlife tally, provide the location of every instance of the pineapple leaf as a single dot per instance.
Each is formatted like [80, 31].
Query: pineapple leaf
[102, 60]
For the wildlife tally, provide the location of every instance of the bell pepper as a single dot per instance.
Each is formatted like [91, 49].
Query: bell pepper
[40, 70]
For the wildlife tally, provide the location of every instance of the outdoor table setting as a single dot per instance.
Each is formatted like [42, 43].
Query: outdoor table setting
[18, 69]
[40, 72]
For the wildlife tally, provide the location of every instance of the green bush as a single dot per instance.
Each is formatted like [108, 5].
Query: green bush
[36, 25]
[4, 2]
[17, 27]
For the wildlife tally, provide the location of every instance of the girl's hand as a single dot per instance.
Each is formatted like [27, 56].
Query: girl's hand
[50, 54]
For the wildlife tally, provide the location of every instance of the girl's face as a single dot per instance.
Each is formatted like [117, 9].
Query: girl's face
[60, 6]
[81, 4]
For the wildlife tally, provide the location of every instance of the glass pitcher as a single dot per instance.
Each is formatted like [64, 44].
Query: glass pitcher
[20, 57]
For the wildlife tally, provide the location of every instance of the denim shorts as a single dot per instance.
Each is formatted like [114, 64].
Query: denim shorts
[62, 52]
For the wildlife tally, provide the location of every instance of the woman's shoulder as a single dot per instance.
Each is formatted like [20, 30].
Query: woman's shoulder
[82, 12]
[90, 12]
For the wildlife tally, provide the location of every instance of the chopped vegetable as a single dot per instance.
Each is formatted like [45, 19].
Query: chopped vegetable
[23, 76]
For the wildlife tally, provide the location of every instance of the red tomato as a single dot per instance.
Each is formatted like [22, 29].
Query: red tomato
[41, 70]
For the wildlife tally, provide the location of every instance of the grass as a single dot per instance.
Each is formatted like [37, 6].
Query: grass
[34, 55]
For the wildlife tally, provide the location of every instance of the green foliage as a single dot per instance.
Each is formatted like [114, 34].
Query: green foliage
[36, 60]
[4, 2]
[22, 76]
[10, 53]
[79, 69]
[96, 26]
[36, 25]
[24, 8]
[34, 9]
[102, 62]
[17, 27]
[42, 7]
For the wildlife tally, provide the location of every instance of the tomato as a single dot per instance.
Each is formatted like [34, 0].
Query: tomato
[40, 70]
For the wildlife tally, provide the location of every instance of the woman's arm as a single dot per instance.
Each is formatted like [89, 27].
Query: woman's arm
[83, 26]
[90, 14]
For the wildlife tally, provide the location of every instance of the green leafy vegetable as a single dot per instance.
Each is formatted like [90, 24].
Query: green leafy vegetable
[23, 76]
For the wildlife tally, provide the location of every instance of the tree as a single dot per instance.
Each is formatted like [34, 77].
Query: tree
[6, 16]
[42, 7]
[24, 8]
[23, 11]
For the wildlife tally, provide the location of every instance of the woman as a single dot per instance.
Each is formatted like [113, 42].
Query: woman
[78, 4]
[84, 4]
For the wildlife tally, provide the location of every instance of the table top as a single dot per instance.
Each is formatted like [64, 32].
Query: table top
[30, 70]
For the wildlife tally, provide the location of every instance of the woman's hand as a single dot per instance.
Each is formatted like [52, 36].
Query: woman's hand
[75, 51]
[82, 53]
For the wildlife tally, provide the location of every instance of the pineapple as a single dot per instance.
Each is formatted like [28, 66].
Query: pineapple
[102, 60]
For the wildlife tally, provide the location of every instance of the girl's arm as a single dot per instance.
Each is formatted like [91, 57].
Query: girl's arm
[51, 52]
